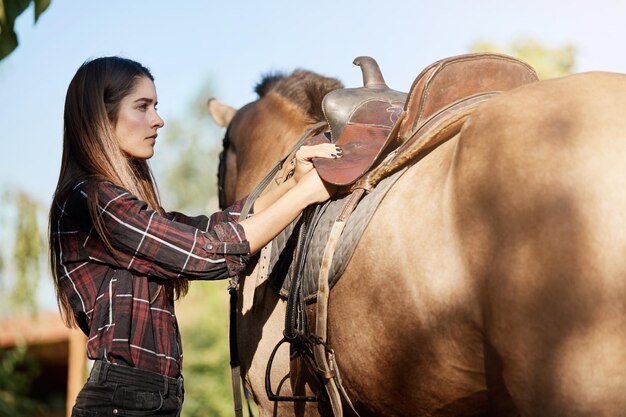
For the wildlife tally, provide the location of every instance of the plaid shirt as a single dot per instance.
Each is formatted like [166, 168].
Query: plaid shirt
[115, 294]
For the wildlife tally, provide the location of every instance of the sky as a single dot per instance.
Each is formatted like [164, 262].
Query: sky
[234, 43]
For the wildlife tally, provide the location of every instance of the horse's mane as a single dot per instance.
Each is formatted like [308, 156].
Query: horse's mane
[303, 88]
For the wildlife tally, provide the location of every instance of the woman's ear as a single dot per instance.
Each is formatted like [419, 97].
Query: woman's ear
[221, 113]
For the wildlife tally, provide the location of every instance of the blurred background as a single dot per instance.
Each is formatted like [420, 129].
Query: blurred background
[197, 50]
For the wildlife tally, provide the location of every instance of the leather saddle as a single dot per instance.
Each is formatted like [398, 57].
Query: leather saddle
[383, 128]
[360, 120]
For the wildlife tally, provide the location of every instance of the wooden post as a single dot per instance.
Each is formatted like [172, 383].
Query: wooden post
[76, 367]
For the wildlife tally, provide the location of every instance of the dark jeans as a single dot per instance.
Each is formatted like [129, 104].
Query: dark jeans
[115, 390]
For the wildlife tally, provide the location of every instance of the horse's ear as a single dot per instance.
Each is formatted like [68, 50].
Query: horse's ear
[221, 113]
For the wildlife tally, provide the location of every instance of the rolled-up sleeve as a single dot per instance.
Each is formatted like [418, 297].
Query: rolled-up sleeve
[232, 238]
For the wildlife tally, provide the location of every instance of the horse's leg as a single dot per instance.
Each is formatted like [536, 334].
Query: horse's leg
[404, 318]
[539, 181]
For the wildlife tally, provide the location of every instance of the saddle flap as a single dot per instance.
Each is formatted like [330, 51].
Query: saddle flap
[360, 144]
[360, 120]
[448, 80]
[361, 140]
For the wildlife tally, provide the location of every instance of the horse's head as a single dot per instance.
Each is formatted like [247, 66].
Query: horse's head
[262, 131]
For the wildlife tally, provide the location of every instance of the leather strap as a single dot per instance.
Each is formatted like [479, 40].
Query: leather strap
[329, 370]
[235, 367]
[319, 350]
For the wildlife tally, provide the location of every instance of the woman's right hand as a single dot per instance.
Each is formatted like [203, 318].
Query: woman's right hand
[276, 212]
[304, 157]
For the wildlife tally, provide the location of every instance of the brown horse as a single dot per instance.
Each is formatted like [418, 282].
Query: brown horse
[491, 281]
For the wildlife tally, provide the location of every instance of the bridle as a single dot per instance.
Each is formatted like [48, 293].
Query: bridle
[221, 169]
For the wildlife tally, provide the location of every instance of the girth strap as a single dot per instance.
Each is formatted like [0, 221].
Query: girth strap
[327, 371]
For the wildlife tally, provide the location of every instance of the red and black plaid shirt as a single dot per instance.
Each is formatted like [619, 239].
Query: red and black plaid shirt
[113, 293]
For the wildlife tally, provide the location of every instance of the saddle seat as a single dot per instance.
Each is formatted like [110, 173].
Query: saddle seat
[371, 122]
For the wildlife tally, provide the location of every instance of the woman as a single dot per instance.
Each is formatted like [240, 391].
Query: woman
[119, 261]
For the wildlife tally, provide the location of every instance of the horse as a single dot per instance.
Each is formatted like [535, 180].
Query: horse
[490, 281]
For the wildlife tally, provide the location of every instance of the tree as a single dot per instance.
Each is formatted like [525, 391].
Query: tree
[9, 11]
[22, 252]
[21, 261]
[17, 373]
[549, 62]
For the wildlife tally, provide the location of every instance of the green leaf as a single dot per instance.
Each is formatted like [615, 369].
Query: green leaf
[549, 62]
[40, 7]
[9, 11]
[8, 41]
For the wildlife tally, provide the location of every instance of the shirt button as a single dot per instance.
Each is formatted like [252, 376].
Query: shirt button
[208, 246]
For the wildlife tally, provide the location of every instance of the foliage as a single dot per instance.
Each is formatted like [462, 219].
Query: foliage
[548, 62]
[17, 373]
[205, 343]
[9, 11]
[4, 222]
[19, 223]
[28, 251]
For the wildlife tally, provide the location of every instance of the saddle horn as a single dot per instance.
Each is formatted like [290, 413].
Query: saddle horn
[340, 105]
[360, 120]
[372, 75]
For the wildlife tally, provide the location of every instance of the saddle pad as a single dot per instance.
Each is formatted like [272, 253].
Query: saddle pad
[281, 258]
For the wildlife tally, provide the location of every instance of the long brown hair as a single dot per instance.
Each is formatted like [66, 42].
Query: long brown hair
[90, 151]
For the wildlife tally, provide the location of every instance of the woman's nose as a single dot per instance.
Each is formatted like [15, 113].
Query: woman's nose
[157, 122]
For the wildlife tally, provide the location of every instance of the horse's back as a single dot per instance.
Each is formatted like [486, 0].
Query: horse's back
[491, 279]
[502, 262]
[538, 180]
[407, 277]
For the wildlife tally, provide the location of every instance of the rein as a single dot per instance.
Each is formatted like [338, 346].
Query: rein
[221, 170]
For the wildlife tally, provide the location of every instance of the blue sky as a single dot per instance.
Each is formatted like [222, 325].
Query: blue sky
[233, 43]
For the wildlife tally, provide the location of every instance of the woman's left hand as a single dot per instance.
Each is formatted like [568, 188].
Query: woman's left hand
[305, 155]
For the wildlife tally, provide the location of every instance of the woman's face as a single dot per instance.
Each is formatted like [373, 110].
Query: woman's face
[138, 121]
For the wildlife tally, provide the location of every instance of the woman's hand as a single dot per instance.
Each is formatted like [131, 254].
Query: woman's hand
[282, 208]
[314, 189]
[305, 155]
